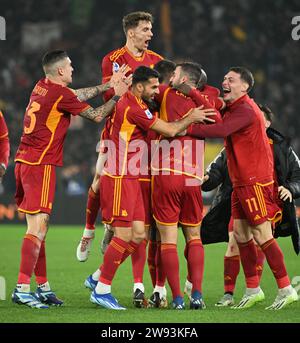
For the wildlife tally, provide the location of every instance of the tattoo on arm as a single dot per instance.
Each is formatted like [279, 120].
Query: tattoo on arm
[84, 94]
[100, 112]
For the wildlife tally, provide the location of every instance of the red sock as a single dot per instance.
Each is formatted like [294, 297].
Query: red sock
[170, 264]
[248, 258]
[196, 263]
[131, 248]
[160, 272]
[92, 208]
[40, 269]
[151, 261]
[231, 271]
[260, 261]
[29, 255]
[275, 260]
[112, 259]
[138, 259]
[186, 252]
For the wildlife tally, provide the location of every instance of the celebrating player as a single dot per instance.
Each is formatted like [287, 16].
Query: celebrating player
[46, 121]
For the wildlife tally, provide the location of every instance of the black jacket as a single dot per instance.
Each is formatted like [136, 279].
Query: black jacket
[214, 226]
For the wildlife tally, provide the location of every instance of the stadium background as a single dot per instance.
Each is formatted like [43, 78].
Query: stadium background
[218, 34]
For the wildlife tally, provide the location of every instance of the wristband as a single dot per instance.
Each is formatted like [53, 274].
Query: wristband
[115, 98]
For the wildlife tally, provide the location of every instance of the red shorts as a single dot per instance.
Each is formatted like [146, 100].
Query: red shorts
[35, 187]
[121, 201]
[177, 198]
[256, 203]
[146, 194]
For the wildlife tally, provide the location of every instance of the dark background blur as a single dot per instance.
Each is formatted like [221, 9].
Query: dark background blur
[218, 34]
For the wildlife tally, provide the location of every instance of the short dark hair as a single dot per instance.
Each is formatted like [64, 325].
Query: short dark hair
[53, 56]
[165, 69]
[269, 115]
[143, 74]
[245, 75]
[132, 20]
[192, 69]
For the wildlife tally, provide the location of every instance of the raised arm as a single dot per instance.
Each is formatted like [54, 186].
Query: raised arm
[84, 94]
[99, 113]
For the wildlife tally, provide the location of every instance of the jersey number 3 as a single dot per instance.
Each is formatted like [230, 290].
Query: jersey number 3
[30, 112]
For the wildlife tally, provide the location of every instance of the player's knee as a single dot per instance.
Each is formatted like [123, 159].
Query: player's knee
[138, 237]
[232, 249]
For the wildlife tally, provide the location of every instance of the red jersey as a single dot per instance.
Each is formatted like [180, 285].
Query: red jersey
[212, 95]
[249, 156]
[46, 121]
[114, 59]
[4, 142]
[130, 122]
[182, 154]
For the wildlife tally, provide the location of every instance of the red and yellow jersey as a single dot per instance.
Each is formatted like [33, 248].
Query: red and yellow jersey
[4, 142]
[113, 61]
[130, 122]
[249, 156]
[212, 95]
[182, 154]
[46, 121]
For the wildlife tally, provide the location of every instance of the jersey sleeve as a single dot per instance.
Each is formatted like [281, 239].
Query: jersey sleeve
[224, 128]
[3, 127]
[71, 104]
[200, 100]
[144, 119]
[4, 142]
[107, 71]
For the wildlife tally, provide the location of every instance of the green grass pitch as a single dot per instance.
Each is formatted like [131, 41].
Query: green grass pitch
[66, 276]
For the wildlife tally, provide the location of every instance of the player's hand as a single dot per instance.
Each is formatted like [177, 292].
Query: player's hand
[184, 88]
[205, 178]
[200, 115]
[122, 86]
[285, 194]
[119, 75]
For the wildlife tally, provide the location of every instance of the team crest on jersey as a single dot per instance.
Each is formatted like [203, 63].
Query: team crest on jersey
[116, 66]
[148, 114]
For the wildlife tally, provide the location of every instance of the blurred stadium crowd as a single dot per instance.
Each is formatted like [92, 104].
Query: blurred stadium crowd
[215, 33]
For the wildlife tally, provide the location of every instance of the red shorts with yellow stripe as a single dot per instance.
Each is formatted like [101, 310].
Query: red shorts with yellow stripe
[121, 201]
[146, 194]
[255, 203]
[35, 187]
[177, 198]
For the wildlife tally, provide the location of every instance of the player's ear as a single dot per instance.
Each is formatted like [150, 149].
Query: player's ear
[130, 33]
[140, 87]
[60, 71]
[245, 87]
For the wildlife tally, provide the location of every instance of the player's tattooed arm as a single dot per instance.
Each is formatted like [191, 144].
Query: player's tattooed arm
[118, 77]
[84, 94]
[99, 113]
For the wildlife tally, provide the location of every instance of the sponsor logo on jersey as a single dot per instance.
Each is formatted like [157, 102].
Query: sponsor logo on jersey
[116, 66]
[148, 114]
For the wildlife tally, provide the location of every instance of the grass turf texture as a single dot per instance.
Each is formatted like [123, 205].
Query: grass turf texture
[66, 276]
